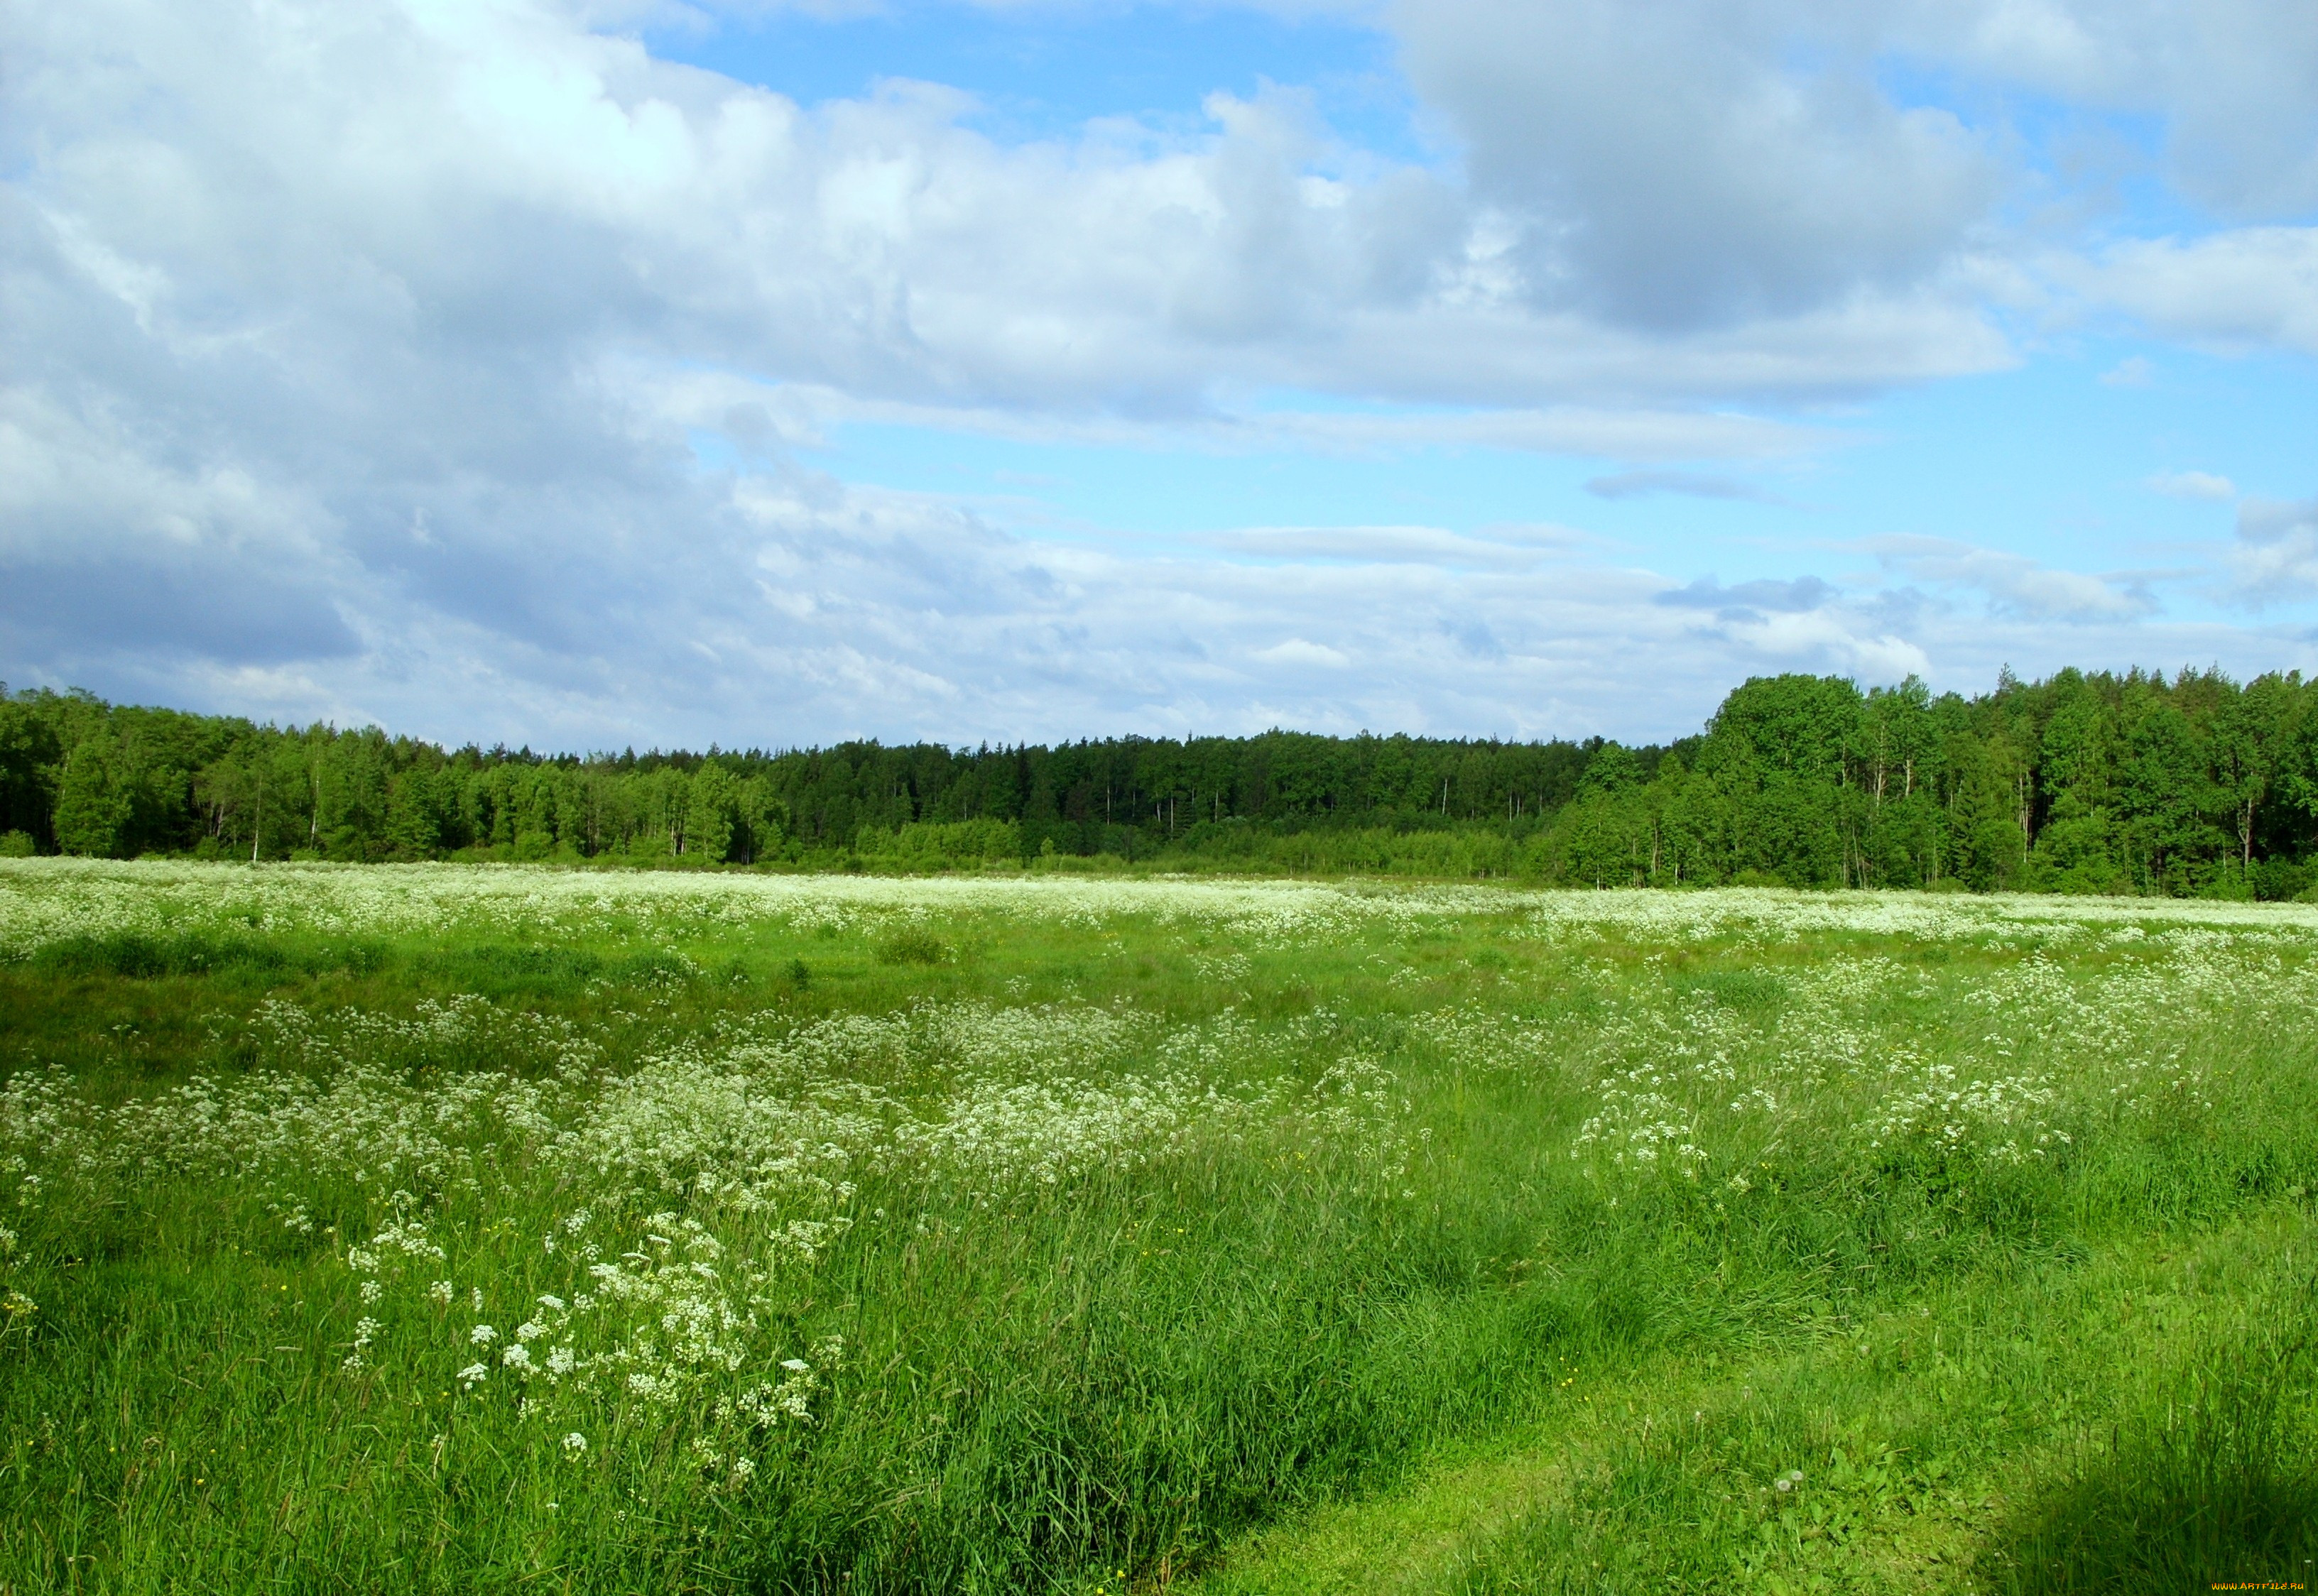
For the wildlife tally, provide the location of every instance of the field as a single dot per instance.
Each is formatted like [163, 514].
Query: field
[430, 1227]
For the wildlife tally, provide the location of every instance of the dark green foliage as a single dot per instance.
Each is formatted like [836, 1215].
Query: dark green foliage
[2083, 784]
[1742, 989]
[140, 957]
[2099, 784]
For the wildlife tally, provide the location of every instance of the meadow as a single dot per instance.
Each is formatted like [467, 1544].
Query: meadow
[436, 1227]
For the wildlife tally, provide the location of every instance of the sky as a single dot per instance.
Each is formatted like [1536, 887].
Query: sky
[640, 372]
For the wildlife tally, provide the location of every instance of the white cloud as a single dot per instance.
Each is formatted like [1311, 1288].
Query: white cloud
[1297, 650]
[1748, 599]
[2193, 485]
[1680, 165]
[2277, 555]
[1821, 639]
[779, 607]
[2249, 288]
[2012, 583]
[2229, 80]
[805, 415]
[1694, 163]
[353, 358]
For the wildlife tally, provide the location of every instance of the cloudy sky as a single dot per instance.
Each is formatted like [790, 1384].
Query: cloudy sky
[597, 373]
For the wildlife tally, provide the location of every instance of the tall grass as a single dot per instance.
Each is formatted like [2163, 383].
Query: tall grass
[901, 1239]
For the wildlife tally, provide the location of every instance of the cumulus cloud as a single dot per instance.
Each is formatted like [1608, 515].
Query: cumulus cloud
[2230, 80]
[1691, 164]
[1684, 164]
[452, 365]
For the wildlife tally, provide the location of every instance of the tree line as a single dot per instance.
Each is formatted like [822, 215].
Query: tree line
[2132, 782]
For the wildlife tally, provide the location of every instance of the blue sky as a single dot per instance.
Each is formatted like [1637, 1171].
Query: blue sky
[1044, 72]
[667, 372]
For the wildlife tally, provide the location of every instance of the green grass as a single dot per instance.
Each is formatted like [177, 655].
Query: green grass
[1219, 1237]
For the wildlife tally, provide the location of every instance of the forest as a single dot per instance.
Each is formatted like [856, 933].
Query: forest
[2188, 785]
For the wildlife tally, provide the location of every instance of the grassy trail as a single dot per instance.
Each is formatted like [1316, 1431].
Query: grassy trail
[1987, 1436]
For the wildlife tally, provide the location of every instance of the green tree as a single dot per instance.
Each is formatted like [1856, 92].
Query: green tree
[2250, 737]
[2079, 846]
[2167, 797]
[95, 802]
[712, 813]
[419, 803]
[1782, 749]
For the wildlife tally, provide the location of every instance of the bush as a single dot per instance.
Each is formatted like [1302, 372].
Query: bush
[2280, 881]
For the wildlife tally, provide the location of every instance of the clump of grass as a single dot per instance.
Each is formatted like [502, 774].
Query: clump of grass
[911, 945]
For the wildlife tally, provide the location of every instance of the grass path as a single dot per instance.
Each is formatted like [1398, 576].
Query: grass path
[1920, 1432]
